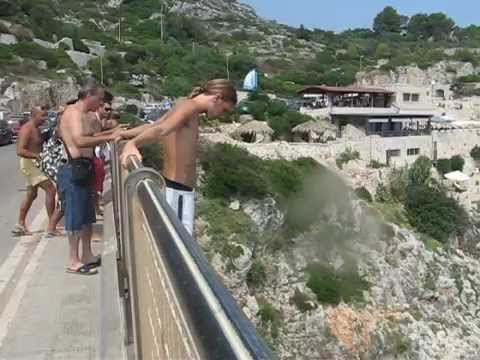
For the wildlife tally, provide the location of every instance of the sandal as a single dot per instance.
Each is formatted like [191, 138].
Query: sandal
[53, 234]
[96, 263]
[83, 270]
[21, 230]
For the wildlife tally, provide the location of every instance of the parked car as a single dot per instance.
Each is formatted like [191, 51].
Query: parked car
[6, 135]
[15, 122]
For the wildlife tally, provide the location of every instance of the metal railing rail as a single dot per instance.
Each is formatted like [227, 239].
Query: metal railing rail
[175, 304]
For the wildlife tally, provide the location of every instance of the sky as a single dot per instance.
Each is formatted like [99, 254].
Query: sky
[338, 15]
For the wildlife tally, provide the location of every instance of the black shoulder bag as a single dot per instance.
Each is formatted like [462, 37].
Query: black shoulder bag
[83, 170]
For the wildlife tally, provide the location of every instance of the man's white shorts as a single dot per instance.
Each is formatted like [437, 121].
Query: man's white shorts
[183, 204]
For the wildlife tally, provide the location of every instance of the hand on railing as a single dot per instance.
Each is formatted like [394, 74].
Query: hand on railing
[129, 150]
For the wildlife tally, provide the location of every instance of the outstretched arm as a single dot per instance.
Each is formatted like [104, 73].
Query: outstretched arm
[164, 126]
[82, 141]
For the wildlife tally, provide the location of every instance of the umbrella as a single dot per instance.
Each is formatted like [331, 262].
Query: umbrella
[457, 176]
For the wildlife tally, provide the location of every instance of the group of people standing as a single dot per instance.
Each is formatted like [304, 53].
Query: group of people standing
[85, 128]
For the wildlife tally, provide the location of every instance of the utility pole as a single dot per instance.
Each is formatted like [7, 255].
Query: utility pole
[361, 58]
[101, 70]
[161, 27]
[120, 30]
[227, 57]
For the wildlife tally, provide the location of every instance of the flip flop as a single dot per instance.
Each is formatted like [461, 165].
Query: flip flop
[53, 234]
[20, 230]
[95, 263]
[83, 270]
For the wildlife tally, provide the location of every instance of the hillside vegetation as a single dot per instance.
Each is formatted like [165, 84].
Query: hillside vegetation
[193, 41]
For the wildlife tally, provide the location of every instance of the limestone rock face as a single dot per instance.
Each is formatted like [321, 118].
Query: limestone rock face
[443, 72]
[22, 96]
[8, 39]
[81, 59]
[421, 303]
[264, 214]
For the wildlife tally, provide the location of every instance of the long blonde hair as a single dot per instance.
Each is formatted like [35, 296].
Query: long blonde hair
[221, 87]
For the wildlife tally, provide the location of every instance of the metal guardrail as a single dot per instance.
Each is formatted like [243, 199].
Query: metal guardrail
[176, 306]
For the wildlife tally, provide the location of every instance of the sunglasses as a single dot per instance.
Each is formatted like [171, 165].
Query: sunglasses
[44, 108]
[107, 108]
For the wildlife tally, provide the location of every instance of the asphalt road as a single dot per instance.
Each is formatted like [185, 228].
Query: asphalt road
[45, 312]
[12, 191]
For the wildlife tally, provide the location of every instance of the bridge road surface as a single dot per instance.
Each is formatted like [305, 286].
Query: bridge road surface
[45, 313]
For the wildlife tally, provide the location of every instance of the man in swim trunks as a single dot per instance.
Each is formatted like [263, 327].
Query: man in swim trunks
[75, 178]
[179, 131]
[29, 146]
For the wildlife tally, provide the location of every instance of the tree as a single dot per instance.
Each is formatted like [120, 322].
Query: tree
[78, 44]
[382, 51]
[437, 26]
[388, 21]
[303, 33]
[8, 8]
[166, 8]
[433, 213]
[457, 163]
[420, 172]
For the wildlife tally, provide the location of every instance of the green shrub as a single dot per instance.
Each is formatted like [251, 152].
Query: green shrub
[475, 153]
[231, 171]
[55, 58]
[6, 56]
[127, 118]
[444, 166]
[135, 54]
[364, 194]
[469, 79]
[257, 274]
[346, 156]
[382, 194]
[283, 177]
[78, 44]
[125, 89]
[374, 164]
[270, 317]
[177, 85]
[457, 163]
[398, 182]
[302, 301]
[227, 226]
[331, 287]
[420, 172]
[8, 8]
[434, 213]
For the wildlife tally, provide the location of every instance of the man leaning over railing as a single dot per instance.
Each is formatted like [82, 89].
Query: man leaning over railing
[178, 129]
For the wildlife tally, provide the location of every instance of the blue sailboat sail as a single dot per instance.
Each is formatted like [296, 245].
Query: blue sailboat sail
[250, 83]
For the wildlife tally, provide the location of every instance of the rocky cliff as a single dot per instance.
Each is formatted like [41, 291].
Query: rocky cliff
[19, 95]
[414, 301]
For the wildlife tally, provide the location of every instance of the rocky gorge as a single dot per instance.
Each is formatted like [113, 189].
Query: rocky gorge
[408, 299]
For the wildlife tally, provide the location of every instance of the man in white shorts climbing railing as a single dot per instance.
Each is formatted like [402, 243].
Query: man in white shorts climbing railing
[179, 131]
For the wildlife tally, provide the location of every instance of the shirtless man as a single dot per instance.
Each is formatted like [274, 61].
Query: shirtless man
[97, 121]
[179, 131]
[76, 187]
[29, 146]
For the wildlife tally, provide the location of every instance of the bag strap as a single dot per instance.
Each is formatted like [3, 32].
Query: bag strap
[69, 156]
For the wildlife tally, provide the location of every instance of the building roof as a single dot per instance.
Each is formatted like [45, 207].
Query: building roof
[254, 126]
[324, 89]
[318, 126]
